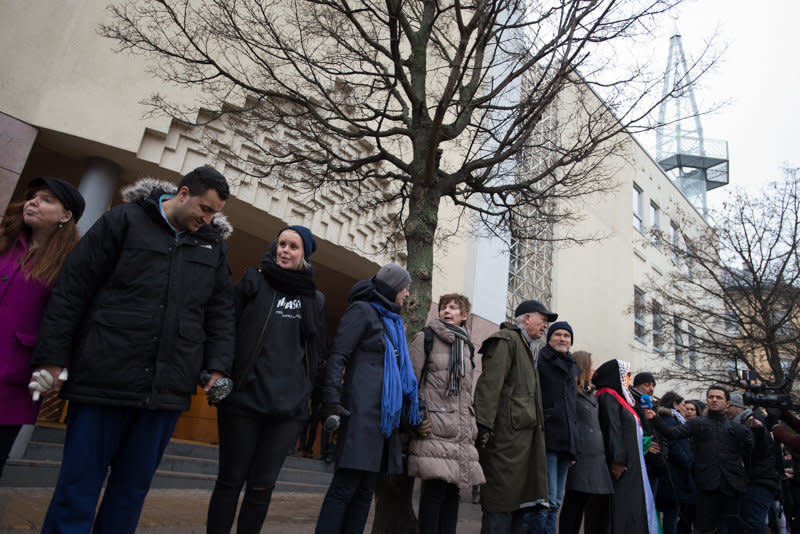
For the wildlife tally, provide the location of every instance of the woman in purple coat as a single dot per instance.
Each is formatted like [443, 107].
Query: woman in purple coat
[36, 236]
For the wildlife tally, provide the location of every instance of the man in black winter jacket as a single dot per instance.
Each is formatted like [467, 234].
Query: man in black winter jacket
[143, 304]
[721, 448]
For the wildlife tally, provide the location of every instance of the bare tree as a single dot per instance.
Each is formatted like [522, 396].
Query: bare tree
[733, 303]
[490, 105]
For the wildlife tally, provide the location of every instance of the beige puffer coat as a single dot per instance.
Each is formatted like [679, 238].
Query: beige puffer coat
[448, 453]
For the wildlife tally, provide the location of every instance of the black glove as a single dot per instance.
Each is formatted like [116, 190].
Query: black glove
[773, 418]
[328, 409]
[485, 436]
[221, 388]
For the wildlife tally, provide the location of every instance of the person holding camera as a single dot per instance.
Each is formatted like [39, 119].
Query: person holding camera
[442, 355]
[763, 484]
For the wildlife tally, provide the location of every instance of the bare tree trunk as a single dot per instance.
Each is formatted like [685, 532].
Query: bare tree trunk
[393, 510]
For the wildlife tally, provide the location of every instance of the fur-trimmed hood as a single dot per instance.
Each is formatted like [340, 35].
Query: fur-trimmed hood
[142, 189]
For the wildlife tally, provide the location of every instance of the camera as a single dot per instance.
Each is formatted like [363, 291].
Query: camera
[763, 396]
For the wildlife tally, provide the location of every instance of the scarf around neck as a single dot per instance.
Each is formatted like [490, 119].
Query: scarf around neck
[455, 366]
[291, 282]
[399, 383]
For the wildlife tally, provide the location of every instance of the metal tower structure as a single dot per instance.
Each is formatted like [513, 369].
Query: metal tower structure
[531, 260]
[694, 163]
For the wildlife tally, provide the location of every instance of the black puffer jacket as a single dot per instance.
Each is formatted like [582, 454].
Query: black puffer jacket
[136, 313]
[357, 352]
[721, 447]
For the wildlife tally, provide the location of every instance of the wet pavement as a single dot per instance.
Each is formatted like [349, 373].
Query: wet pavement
[182, 511]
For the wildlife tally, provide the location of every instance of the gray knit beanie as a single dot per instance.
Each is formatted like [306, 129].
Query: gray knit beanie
[394, 276]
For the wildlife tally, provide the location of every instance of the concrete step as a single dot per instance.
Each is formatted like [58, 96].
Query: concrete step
[185, 465]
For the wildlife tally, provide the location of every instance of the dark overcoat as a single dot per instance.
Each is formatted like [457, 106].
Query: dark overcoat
[678, 487]
[354, 379]
[621, 438]
[589, 474]
[557, 372]
[508, 401]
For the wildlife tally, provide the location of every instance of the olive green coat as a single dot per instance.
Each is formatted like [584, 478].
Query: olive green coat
[508, 401]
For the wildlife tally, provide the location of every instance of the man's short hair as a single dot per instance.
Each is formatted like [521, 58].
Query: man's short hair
[204, 178]
[720, 387]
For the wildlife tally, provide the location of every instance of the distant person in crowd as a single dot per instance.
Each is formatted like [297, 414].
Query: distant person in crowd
[443, 359]
[721, 448]
[557, 374]
[676, 489]
[370, 385]
[763, 483]
[589, 483]
[693, 408]
[36, 236]
[656, 453]
[143, 305]
[790, 440]
[508, 410]
[280, 343]
[632, 504]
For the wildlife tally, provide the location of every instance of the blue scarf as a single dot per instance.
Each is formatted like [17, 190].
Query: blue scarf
[398, 384]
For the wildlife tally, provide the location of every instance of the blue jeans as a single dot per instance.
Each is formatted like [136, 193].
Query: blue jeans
[759, 500]
[129, 440]
[543, 521]
[346, 505]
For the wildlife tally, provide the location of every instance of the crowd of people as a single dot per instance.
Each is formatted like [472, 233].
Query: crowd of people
[125, 322]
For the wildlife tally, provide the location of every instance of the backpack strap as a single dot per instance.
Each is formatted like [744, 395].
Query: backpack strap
[428, 346]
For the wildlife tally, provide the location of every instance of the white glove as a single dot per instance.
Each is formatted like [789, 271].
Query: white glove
[42, 382]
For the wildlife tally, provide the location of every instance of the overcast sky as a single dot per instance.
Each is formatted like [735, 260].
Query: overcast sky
[758, 78]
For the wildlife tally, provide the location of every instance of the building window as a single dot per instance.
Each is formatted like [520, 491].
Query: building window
[637, 207]
[784, 326]
[655, 224]
[692, 342]
[678, 340]
[658, 327]
[731, 322]
[675, 243]
[638, 314]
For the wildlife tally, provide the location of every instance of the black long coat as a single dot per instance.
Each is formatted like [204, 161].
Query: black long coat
[621, 439]
[590, 474]
[557, 372]
[357, 353]
[678, 487]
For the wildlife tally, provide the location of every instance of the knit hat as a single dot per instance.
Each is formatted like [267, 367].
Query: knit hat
[533, 306]
[737, 400]
[560, 325]
[394, 276]
[643, 378]
[309, 243]
[64, 191]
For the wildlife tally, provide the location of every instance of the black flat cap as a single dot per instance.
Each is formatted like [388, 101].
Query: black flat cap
[531, 306]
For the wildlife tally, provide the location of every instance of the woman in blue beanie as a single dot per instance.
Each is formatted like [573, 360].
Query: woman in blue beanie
[370, 384]
[280, 343]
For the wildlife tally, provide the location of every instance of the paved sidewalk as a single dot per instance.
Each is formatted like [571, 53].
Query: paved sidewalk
[184, 512]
